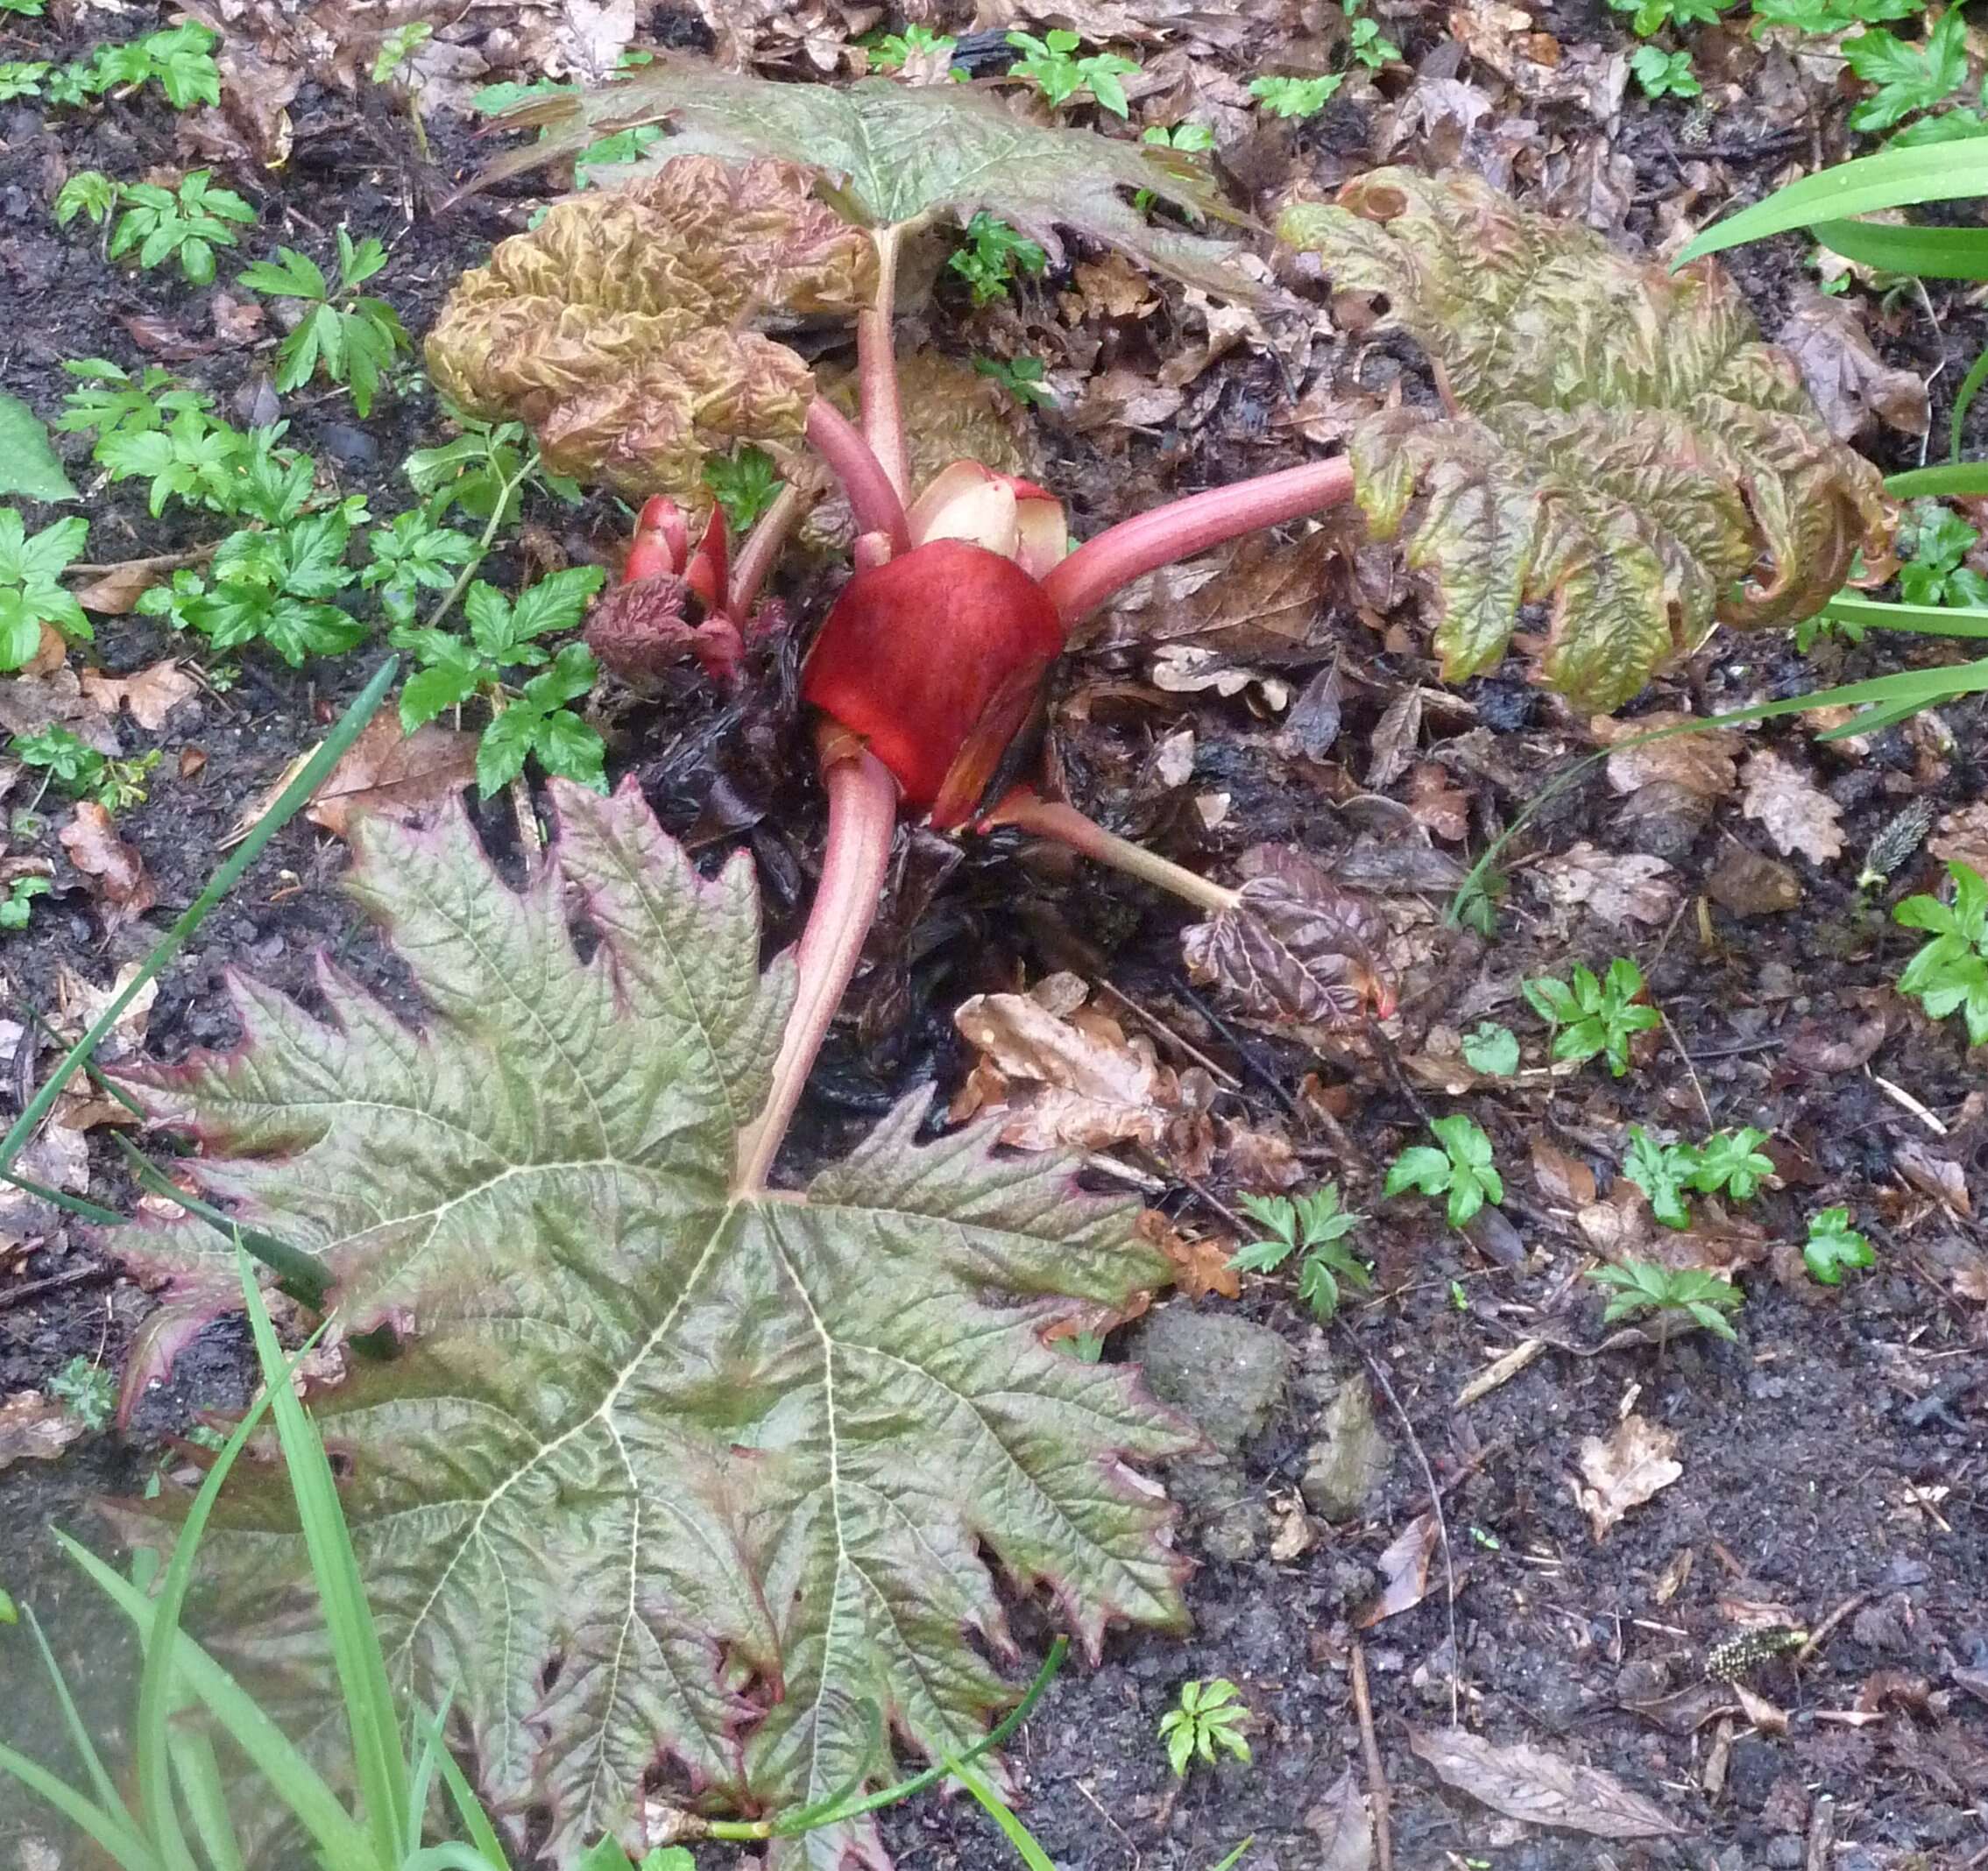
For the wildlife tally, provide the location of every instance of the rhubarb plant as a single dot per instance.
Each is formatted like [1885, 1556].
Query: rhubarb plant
[694, 1476]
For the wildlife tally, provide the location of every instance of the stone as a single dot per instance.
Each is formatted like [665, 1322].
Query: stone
[1786, 1851]
[1237, 1533]
[1350, 1459]
[1225, 1374]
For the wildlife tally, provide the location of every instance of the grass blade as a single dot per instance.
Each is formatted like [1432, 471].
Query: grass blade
[127, 1848]
[1013, 1830]
[1950, 477]
[1932, 253]
[379, 1763]
[207, 1804]
[469, 1808]
[1963, 400]
[1926, 620]
[293, 796]
[107, 1793]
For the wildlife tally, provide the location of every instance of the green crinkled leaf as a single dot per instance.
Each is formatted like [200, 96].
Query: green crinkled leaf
[890, 154]
[1618, 442]
[666, 1481]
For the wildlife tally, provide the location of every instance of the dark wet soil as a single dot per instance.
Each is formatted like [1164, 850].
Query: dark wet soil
[1834, 1458]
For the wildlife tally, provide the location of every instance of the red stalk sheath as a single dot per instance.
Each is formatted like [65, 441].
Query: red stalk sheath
[862, 812]
[876, 370]
[872, 497]
[1147, 541]
[1050, 818]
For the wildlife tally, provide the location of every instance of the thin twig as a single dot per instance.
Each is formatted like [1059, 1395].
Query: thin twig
[1380, 1378]
[1817, 1637]
[1677, 1042]
[1220, 1074]
[33, 1289]
[1370, 1746]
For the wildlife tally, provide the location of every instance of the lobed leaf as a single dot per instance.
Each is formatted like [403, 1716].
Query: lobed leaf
[610, 327]
[678, 1493]
[889, 153]
[1617, 442]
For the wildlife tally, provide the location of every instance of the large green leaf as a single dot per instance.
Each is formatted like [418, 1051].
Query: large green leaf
[890, 154]
[665, 1481]
[1617, 440]
[28, 464]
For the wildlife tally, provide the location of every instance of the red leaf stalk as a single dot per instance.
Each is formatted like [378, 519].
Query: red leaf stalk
[1067, 825]
[876, 371]
[873, 498]
[1182, 528]
[862, 812]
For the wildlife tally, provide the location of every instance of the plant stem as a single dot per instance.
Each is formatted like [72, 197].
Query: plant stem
[873, 498]
[468, 571]
[1182, 528]
[876, 369]
[1049, 819]
[862, 813]
[763, 547]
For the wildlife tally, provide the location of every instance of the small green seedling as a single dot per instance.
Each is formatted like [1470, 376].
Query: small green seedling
[609, 1855]
[1368, 47]
[1664, 73]
[1462, 1170]
[994, 258]
[187, 224]
[17, 905]
[1662, 1171]
[30, 591]
[1830, 15]
[1834, 1247]
[26, 8]
[87, 1391]
[1950, 974]
[1650, 17]
[1022, 379]
[1296, 97]
[412, 556]
[1637, 1287]
[113, 402]
[1933, 573]
[1316, 1223]
[88, 192]
[1908, 77]
[22, 78]
[180, 60]
[192, 458]
[1731, 1162]
[1595, 1017]
[399, 46]
[890, 52]
[271, 586]
[1052, 65]
[1728, 1161]
[1206, 1717]
[505, 635]
[1192, 139]
[79, 770]
[349, 337]
[744, 484]
[1492, 1049]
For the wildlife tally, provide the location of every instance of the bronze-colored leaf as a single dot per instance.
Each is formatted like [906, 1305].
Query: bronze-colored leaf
[117, 877]
[405, 776]
[889, 153]
[1526, 1782]
[611, 327]
[1618, 441]
[1294, 946]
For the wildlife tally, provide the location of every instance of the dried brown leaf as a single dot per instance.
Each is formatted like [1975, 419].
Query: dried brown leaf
[1701, 763]
[1932, 1174]
[1340, 1823]
[1200, 1266]
[151, 694]
[1565, 1181]
[1526, 1782]
[1749, 884]
[1294, 945]
[117, 874]
[116, 590]
[1853, 386]
[1625, 1470]
[1404, 1571]
[405, 776]
[35, 1429]
[1961, 838]
[1798, 815]
[1617, 888]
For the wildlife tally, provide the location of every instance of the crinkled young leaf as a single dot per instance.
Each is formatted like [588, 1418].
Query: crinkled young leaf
[890, 154]
[1618, 439]
[666, 1481]
[609, 327]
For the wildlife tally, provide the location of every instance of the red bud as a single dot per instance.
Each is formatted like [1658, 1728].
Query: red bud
[661, 543]
[935, 659]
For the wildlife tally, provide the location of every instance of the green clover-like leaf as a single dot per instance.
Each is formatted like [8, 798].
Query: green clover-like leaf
[664, 1471]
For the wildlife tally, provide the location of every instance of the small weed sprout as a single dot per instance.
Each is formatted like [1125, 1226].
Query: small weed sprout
[87, 1391]
[1367, 44]
[180, 60]
[1728, 1162]
[1592, 1017]
[22, 78]
[1664, 73]
[1052, 65]
[1834, 1247]
[994, 258]
[17, 905]
[397, 46]
[1192, 137]
[1670, 1293]
[88, 192]
[1907, 78]
[1933, 573]
[1021, 378]
[1205, 1717]
[31, 590]
[744, 484]
[412, 554]
[1950, 974]
[1491, 1049]
[1296, 97]
[891, 51]
[186, 224]
[75, 768]
[1317, 1225]
[349, 337]
[1461, 1170]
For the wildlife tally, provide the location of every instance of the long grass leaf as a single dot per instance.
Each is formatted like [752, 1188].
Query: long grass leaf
[1011, 1829]
[107, 1793]
[1925, 620]
[129, 1851]
[1950, 477]
[207, 1803]
[469, 1808]
[1931, 253]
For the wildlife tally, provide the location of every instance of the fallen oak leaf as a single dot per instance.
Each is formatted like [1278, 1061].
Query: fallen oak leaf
[1200, 1265]
[1526, 1782]
[150, 694]
[1797, 814]
[401, 775]
[34, 1428]
[1628, 1469]
[1616, 887]
[1702, 761]
[115, 588]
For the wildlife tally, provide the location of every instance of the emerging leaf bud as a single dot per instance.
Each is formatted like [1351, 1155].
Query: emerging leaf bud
[661, 542]
[935, 659]
[1000, 511]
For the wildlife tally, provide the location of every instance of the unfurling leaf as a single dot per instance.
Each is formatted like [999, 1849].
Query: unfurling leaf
[665, 1480]
[1618, 439]
[889, 153]
[609, 327]
[1294, 946]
